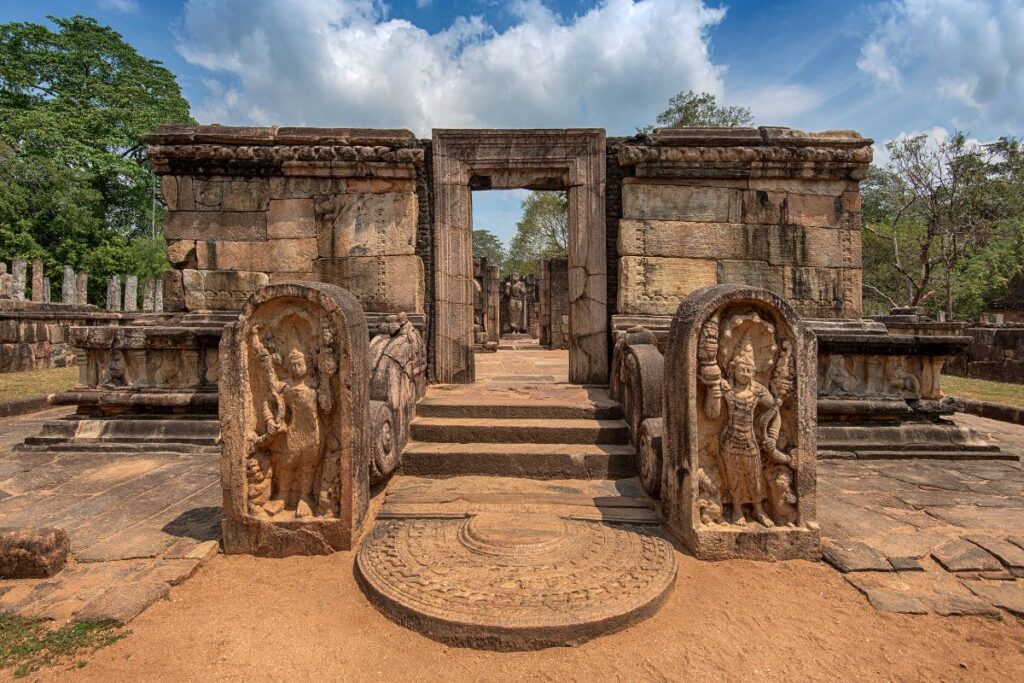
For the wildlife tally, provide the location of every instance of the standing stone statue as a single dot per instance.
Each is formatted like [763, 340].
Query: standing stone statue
[738, 472]
[5, 281]
[295, 420]
[515, 292]
[67, 285]
[18, 272]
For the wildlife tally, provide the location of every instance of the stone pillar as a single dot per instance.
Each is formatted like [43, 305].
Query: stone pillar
[733, 487]
[18, 274]
[493, 325]
[5, 281]
[37, 280]
[82, 287]
[45, 290]
[319, 331]
[131, 293]
[544, 292]
[158, 296]
[147, 296]
[67, 285]
[114, 293]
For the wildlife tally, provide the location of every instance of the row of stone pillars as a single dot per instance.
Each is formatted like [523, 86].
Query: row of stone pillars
[74, 288]
[152, 294]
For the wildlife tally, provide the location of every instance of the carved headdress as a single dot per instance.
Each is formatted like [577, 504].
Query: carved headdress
[744, 353]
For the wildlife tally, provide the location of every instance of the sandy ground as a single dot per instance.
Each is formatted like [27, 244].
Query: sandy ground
[300, 618]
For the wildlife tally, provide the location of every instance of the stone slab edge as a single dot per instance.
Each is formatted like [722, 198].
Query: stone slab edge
[994, 411]
[24, 406]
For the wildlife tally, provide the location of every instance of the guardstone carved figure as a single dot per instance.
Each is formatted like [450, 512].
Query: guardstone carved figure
[738, 463]
[294, 408]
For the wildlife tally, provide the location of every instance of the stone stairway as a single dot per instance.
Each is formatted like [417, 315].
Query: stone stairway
[552, 431]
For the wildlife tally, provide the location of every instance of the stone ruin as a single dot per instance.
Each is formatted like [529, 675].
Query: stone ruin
[713, 282]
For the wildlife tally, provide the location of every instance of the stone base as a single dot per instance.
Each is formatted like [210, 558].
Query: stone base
[941, 439]
[508, 582]
[265, 538]
[32, 553]
[759, 543]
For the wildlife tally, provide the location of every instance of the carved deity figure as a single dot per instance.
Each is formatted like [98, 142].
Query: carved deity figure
[292, 435]
[838, 379]
[747, 441]
[898, 381]
[515, 292]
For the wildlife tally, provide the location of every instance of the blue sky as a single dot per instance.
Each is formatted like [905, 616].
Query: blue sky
[883, 67]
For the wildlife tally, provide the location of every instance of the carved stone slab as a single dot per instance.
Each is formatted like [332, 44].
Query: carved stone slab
[738, 478]
[294, 411]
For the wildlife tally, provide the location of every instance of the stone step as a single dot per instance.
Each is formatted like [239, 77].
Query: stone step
[172, 428]
[489, 430]
[923, 453]
[525, 408]
[526, 460]
[98, 446]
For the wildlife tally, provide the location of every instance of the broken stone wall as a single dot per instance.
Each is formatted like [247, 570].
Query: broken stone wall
[251, 206]
[768, 207]
[996, 353]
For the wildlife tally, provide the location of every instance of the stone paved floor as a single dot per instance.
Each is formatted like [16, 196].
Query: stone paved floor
[138, 523]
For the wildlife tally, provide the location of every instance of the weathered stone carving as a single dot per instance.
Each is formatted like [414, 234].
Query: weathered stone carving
[738, 475]
[294, 412]
[18, 275]
[856, 375]
[398, 366]
[6, 281]
[515, 293]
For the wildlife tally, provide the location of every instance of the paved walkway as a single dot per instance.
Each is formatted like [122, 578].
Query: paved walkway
[141, 522]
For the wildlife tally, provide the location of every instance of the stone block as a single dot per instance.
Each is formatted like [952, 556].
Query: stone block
[82, 287]
[752, 273]
[37, 280]
[813, 210]
[384, 284]
[681, 203]
[729, 490]
[305, 187]
[172, 291]
[291, 218]
[270, 256]
[32, 553]
[219, 290]
[182, 253]
[131, 293]
[854, 556]
[216, 225]
[121, 603]
[18, 279]
[761, 206]
[67, 285]
[380, 185]
[963, 556]
[367, 224]
[250, 194]
[295, 477]
[655, 285]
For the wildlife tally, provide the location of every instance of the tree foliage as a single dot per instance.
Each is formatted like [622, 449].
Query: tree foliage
[943, 224]
[542, 232]
[75, 186]
[693, 109]
[487, 245]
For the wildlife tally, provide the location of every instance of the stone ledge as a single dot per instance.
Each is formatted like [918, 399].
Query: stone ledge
[993, 411]
[24, 406]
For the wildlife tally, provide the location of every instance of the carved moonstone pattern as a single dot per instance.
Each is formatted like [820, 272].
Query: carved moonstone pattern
[521, 582]
[294, 413]
[738, 477]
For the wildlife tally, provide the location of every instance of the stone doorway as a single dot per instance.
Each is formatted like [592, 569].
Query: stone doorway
[572, 160]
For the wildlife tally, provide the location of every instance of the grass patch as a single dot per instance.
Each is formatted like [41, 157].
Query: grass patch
[983, 390]
[27, 645]
[36, 382]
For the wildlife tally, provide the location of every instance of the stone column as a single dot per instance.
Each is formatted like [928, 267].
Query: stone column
[158, 296]
[18, 268]
[67, 285]
[5, 281]
[114, 293]
[131, 293]
[493, 303]
[147, 296]
[82, 287]
[37, 280]
[544, 293]
[45, 290]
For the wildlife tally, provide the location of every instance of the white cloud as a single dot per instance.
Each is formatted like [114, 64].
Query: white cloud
[126, 6]
[967, 51]
[778, 104]
[344, 63]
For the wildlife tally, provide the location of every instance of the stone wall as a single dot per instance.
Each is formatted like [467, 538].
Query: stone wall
[768, 207]
[996, 353]
[248, 206]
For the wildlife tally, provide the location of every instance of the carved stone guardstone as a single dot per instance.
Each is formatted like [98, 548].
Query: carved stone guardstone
[294, 413]
[739, 427]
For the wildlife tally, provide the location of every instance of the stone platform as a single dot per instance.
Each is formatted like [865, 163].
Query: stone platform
[515, 564]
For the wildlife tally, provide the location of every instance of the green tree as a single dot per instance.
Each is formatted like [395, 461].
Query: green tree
[542, 232]
[693, 109]
[74, 105]
[942, 224]
[487, 245]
